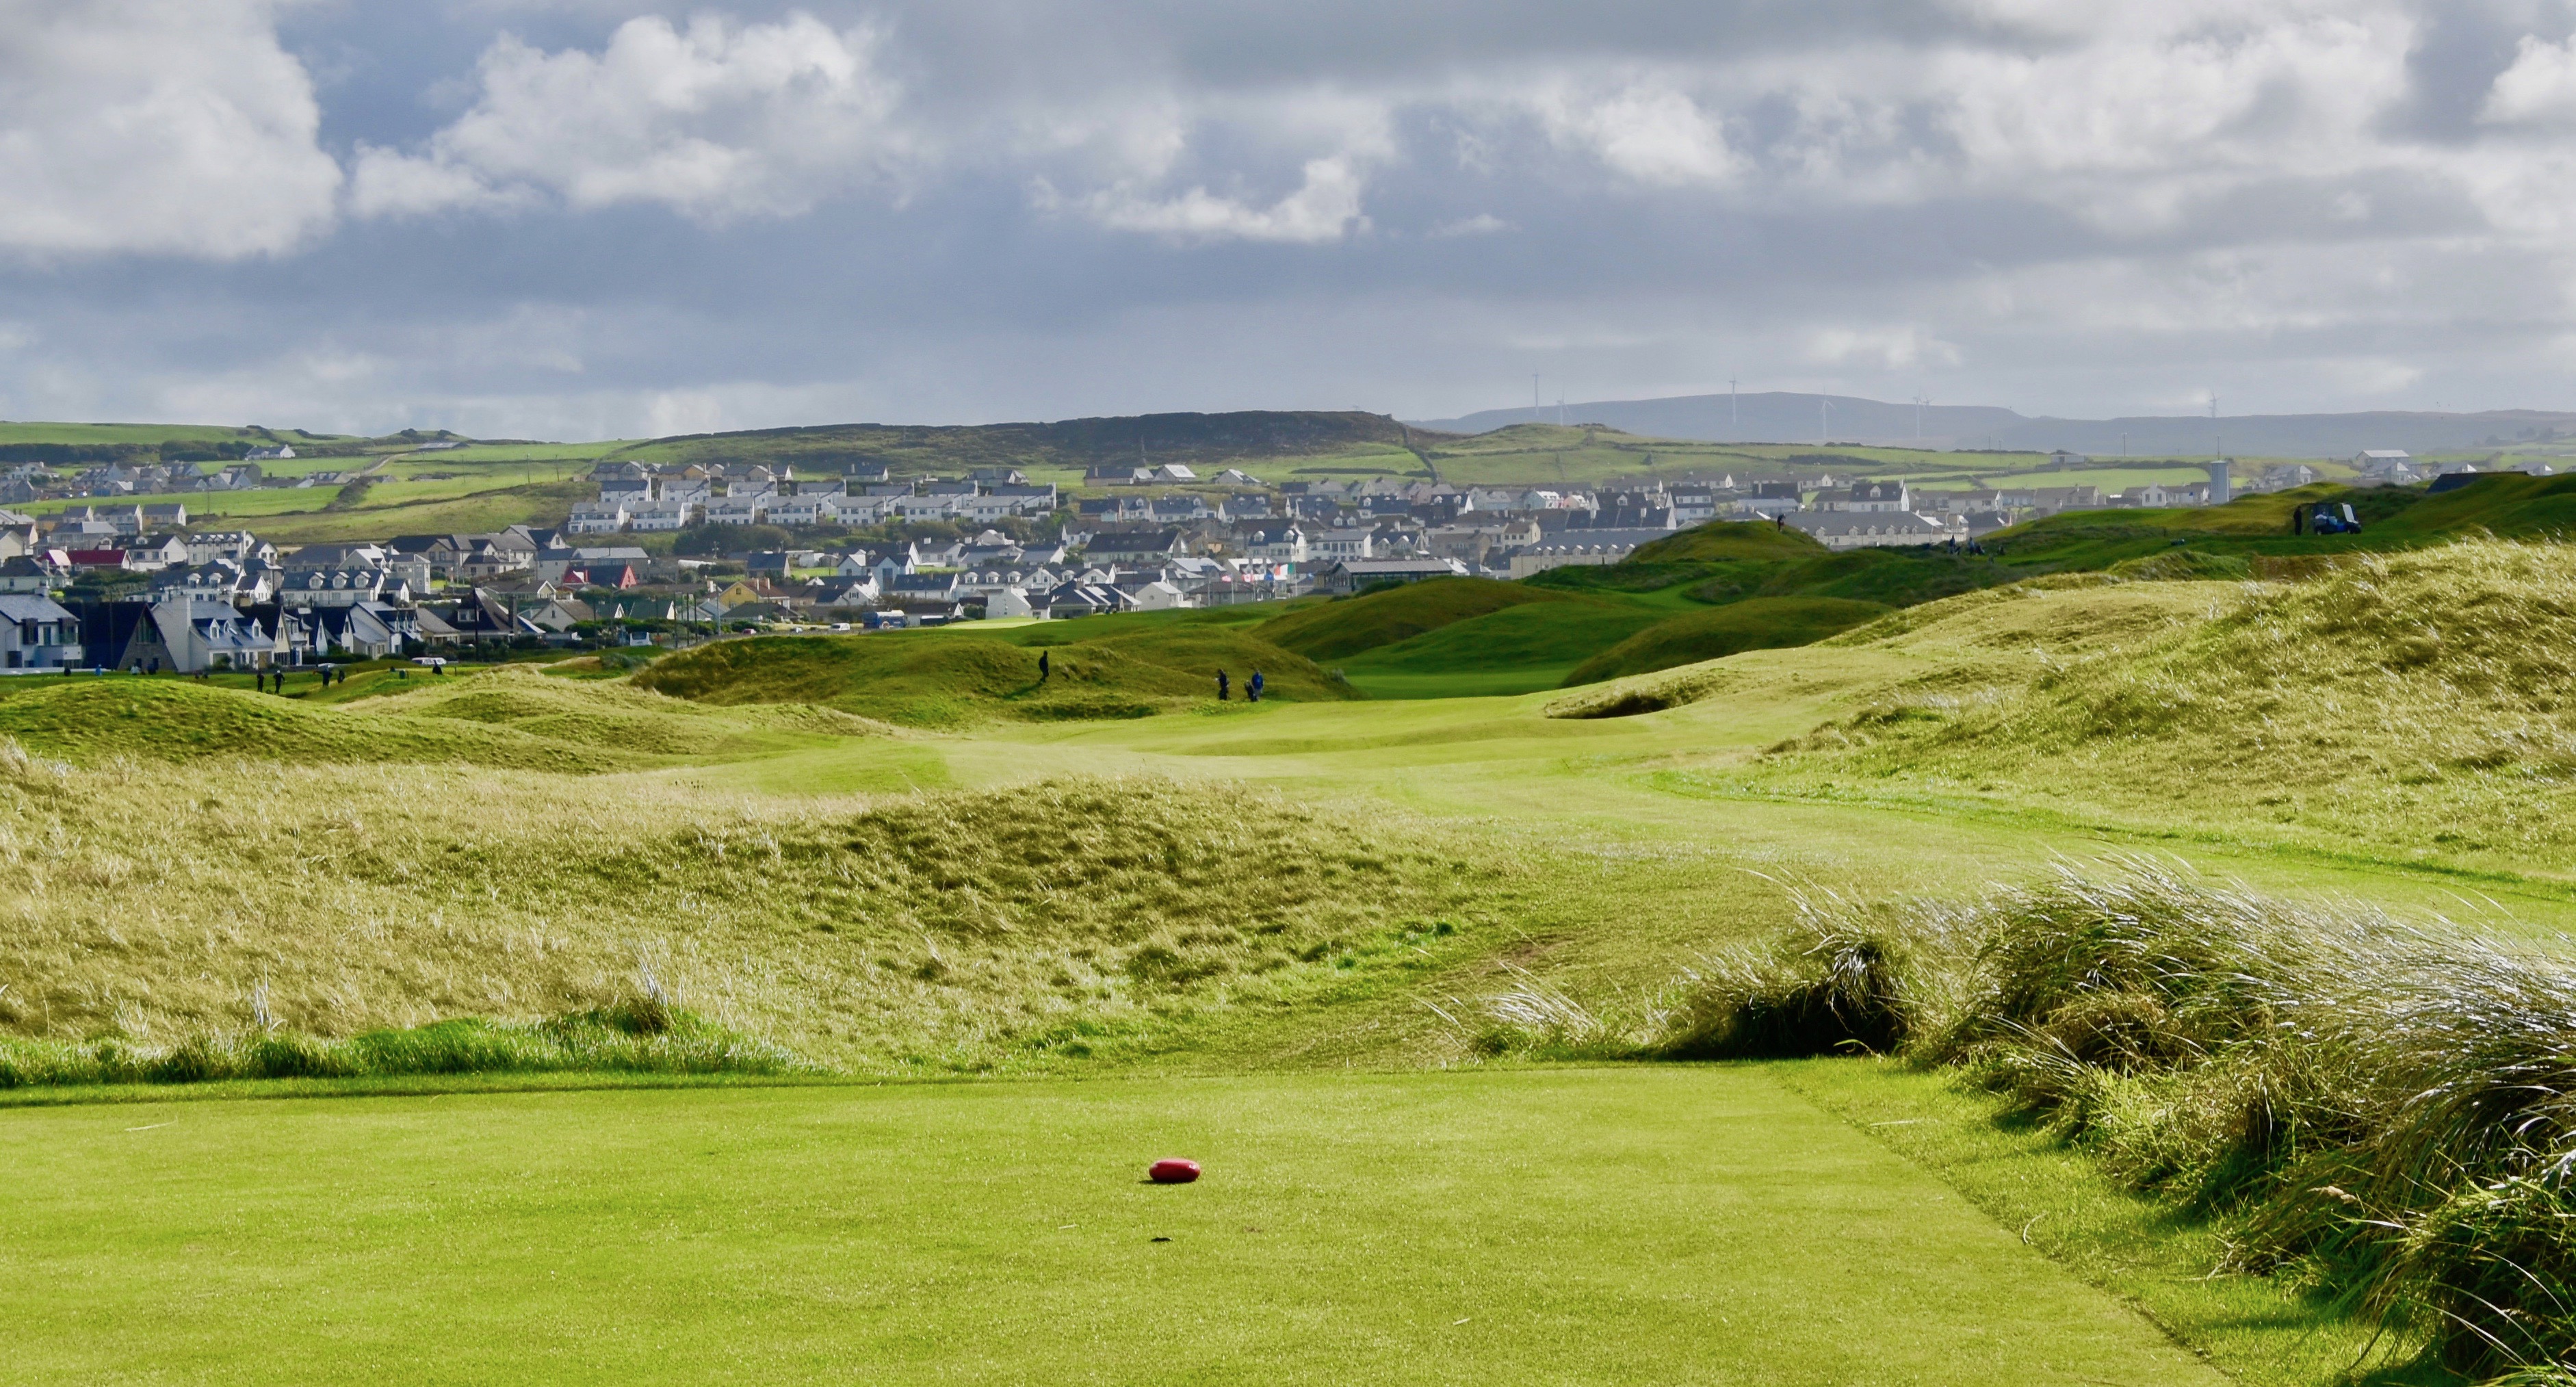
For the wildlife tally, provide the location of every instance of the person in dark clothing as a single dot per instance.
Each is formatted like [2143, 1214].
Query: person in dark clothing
[1253, 688]
[1224, 687]
[1042, 666]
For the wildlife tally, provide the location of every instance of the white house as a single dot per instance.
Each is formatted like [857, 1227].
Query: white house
[1158, 596]
[805, 510]
[601, 517]
[1342, 545]
[740, 510]
[1869, 529]
[1277, 544]
[1870, 498]
[37, 633]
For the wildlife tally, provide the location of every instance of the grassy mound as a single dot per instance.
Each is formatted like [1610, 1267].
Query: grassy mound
[152, 903]
[1340, 629]
[2413, 699]
[1887, 576]
[510, 717]
[951, 678]
[1729, 541]
[1530, 634]
[1756, 624]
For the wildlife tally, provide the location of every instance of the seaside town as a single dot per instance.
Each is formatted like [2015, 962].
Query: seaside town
[109, 585]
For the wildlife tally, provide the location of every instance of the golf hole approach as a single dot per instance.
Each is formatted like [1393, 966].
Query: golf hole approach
[1172, 1171]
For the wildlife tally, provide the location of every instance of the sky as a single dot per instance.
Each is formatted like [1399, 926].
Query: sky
[600, 218]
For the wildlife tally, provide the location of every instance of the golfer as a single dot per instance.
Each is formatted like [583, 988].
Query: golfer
[1253, 688]
[1224, 687]
[1042, 666]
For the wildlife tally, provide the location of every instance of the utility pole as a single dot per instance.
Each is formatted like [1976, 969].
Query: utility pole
[1534, 407]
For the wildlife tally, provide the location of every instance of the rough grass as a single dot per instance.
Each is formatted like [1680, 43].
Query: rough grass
[2414, 700]
[508, 717]
[149, 903]
[1756, 624]
[948, 679]
[1345, 627]
[2381, 1110]
[643, 1035]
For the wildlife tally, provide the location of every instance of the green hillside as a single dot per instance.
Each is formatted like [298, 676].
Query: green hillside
[1729, 540]
[1757, 623]
[1343, 628]
[947, 678]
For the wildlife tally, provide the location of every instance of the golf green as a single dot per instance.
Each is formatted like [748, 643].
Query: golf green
[1666, 1225]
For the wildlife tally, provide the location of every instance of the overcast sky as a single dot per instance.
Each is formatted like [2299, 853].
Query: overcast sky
[598, 217]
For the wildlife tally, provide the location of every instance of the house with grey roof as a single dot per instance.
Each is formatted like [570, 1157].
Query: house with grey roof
[37, 633]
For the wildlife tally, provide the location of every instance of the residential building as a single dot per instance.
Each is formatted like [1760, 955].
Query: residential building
[1869, 529]
[1276, 544]
[602, 517]
[37, 633]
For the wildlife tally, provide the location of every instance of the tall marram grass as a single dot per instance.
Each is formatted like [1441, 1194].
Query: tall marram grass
[638, 1037]
[2382, 1110]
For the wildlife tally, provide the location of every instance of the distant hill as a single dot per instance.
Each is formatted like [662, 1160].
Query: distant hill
[1788, 417]
[1150, 438]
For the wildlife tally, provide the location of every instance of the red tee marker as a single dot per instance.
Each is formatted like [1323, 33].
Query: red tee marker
[1173, 1172]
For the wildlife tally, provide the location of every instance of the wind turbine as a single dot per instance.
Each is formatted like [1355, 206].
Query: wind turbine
[1824, 420]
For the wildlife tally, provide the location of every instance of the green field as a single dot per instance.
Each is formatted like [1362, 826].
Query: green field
[1508, 1227]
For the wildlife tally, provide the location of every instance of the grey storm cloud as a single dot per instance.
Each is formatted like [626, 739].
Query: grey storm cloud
[584, 218]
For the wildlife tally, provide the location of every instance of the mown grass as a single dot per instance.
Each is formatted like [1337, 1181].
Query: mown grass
[1494, 1227]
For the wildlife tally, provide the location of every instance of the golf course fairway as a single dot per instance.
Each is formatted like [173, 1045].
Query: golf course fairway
[1699, 1224]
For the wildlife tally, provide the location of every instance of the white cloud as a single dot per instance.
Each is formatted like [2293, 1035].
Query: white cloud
[2539, 86]
[1888, 348]
[1654, 134]
[719, 120]
[175, 127]
[1325, 207]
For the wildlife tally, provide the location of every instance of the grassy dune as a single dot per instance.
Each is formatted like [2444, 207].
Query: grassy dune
[2414, 700]
[510, 717]
[157, 903]
[955, 678]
